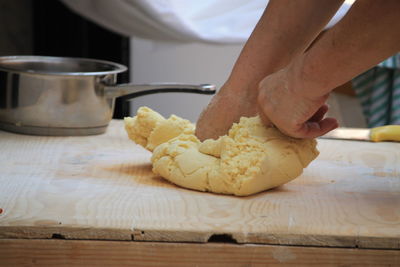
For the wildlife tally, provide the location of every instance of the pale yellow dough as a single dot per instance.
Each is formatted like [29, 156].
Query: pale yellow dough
[250, 159]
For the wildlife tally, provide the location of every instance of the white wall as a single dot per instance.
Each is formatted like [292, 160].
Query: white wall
[154, 61]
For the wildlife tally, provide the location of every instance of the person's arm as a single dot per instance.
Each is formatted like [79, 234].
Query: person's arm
[293, 98]
[284, 31]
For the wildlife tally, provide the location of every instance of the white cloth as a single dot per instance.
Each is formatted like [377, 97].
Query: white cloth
[211, 21]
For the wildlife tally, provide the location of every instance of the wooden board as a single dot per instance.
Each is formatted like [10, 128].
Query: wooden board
[22, 252]
[102, 187]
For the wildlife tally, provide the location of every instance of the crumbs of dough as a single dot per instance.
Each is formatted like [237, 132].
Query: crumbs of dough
[243, 151]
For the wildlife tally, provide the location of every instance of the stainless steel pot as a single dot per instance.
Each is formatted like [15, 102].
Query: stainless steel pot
[67, 96]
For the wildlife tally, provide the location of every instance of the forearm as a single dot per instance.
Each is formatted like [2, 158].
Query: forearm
[368, 34]
[284, 31]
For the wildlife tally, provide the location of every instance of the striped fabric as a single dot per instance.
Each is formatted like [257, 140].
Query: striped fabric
[378, 91]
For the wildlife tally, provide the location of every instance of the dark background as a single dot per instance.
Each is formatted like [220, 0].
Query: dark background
[49, 28]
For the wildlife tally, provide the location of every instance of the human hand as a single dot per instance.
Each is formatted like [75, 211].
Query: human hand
[226, 108]
[283, 102]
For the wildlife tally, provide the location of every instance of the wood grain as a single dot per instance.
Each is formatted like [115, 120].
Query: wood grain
[102, 187]
[116, 253]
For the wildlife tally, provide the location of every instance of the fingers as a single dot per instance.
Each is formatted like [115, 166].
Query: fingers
[317, 126]
[290, 111]
[313, 129]
[319, 115]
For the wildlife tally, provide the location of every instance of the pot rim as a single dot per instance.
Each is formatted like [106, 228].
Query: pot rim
[16, 64]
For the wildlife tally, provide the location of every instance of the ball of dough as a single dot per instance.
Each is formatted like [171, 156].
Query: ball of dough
[251, 158]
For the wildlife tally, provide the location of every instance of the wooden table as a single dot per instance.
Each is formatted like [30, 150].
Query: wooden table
[94, 199]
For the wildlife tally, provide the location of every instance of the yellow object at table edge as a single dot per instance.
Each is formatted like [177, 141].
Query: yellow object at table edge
[385, 133]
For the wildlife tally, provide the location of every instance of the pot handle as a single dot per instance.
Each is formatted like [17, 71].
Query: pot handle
[135, 90]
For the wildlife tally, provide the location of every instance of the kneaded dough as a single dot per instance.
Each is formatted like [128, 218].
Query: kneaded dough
[251, 158]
